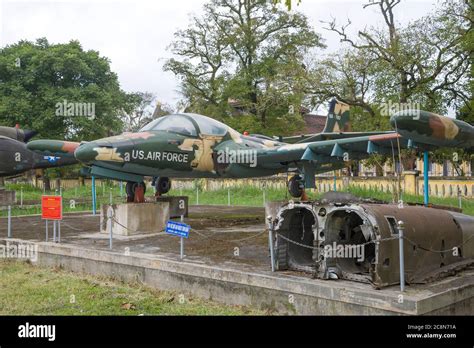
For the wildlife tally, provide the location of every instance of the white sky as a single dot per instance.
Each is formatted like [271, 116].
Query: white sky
[134, 34]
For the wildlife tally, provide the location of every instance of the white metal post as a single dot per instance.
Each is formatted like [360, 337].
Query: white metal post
[460, 198]
[110, 215]
[401, 228]
[181, 247]
[110, 233]
[270, 241]
[9, 221]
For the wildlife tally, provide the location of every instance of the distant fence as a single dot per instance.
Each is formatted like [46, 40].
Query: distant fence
[410, 182]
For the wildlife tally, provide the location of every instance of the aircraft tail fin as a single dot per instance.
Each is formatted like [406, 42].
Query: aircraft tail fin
[338, 119]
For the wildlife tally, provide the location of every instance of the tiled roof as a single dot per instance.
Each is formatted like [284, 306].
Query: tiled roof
[314, 124]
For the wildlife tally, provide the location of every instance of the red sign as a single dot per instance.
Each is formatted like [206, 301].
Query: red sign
[52, 207]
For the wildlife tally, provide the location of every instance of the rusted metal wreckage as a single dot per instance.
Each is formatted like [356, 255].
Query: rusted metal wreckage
[343, 237]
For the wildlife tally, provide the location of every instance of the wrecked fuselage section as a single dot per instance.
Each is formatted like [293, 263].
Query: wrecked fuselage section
[359, 240]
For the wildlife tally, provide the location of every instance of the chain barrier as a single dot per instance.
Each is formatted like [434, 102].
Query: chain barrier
[437, 251]
[317, 248]
[128, 229]
[71, 227]
[380, 240]
[201, 234]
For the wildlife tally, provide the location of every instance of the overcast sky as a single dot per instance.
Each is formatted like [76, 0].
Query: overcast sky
[134, 34]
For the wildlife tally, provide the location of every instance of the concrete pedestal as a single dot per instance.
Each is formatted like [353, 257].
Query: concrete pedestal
[178, 205]
[135, 218]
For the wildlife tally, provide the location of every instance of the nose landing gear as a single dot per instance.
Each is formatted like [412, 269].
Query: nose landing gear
[162, 185]
[135, 192]
[296, 187]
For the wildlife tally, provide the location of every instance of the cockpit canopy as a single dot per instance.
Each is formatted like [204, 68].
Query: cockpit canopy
[187, 124]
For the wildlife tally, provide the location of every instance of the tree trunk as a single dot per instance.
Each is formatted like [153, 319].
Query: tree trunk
[403, 88]
[378, 170]
[58, 184]
[46, 183]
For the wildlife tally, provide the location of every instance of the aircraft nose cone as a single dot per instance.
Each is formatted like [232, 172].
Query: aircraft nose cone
[85, 153]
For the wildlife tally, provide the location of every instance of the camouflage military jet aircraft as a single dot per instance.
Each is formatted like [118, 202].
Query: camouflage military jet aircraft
[195, 146]
[16, 159]
[432, 129]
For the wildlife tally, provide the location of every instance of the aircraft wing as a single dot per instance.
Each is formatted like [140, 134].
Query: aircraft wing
[314, 157]
[344, 148]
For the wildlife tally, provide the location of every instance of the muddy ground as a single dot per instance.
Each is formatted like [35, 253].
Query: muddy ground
[219, 235]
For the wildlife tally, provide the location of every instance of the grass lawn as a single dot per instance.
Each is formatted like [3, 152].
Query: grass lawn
[240, 196]
[29, 290]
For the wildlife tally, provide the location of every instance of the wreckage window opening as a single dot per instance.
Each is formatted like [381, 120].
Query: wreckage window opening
[297, 225]
[346, 227]
[392, 224]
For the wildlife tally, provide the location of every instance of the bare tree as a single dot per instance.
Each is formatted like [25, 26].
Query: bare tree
[138, 110]
[426, 57]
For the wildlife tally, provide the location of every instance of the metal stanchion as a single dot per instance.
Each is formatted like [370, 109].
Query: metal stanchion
[46, 230]
[426, 168]
[460, 198]
[110, 215]
[401, 228]
[270, 241]
[181, 247]
[94, 197]
[9, 221]
[54, 231]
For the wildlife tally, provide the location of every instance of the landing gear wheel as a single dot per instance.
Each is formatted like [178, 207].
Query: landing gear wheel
[162, 186]
[131, 190]
[296, 186]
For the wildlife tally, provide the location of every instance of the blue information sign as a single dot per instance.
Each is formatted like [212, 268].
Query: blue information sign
[179, 229]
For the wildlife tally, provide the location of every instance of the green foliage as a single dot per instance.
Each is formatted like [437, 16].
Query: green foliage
[466, 113]
[421, 62]
[287, 3]
[249, 53]
[138, 110]
[30, 290]
[38, 76]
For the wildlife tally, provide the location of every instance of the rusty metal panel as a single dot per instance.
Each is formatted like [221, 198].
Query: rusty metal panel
[436, 242]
